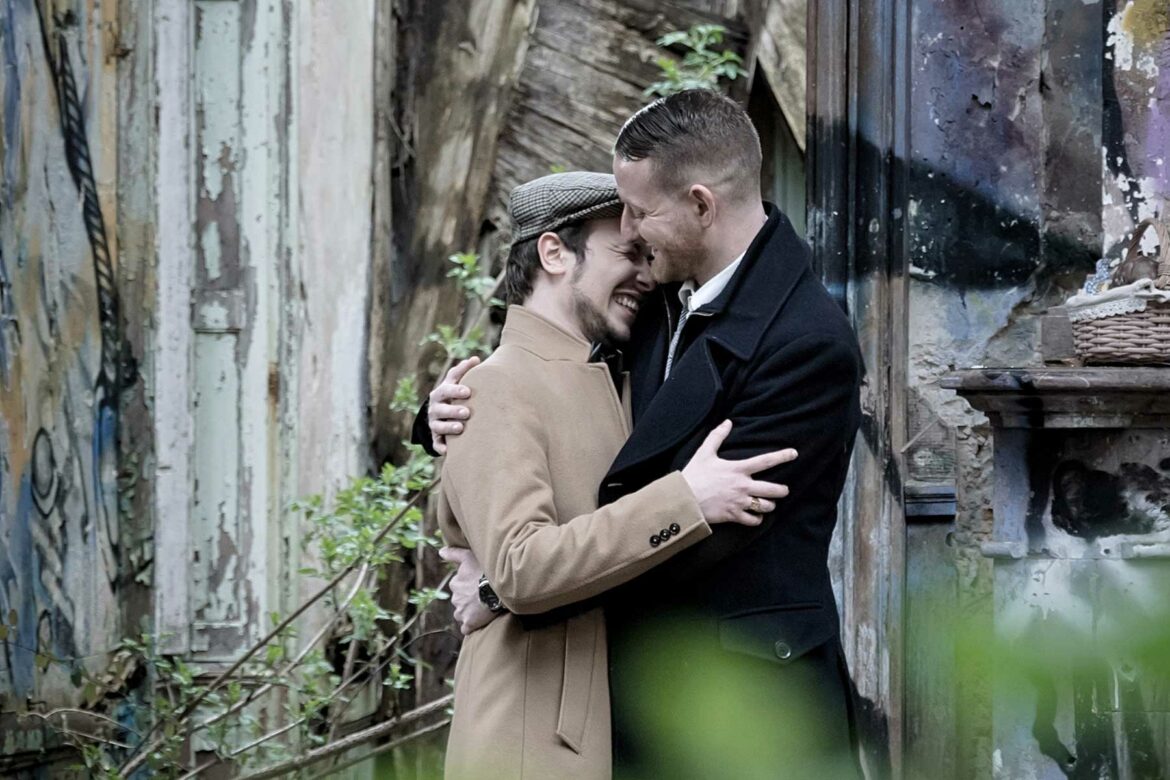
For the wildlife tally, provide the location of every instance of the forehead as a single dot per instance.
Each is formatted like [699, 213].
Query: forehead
[604, 233]
[635, 180]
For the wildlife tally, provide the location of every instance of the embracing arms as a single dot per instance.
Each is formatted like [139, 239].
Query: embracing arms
[498, 484]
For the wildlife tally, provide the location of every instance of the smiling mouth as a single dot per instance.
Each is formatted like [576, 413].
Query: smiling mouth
[627, 302]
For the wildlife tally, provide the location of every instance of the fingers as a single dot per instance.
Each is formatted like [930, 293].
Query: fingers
[716, 437]
[446, 391]
[455, 375]
[449, 391]
[446, 428]
[456, 555]
[767, 461]
[744, 517]
[439, 444]
[441, 412]
[762, 489]
[762, 507]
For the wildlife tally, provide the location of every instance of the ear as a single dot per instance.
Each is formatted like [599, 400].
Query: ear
[702, 200]
[554, 255]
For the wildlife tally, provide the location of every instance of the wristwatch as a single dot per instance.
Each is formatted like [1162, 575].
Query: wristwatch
[489, 597]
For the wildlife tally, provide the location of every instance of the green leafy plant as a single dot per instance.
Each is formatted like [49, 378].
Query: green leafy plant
[405, 397]
[472, 280]
[701, 65]
[458, 345]
[286, 695]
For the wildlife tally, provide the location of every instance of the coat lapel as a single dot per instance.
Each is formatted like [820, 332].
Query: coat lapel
[776, 260]
[648, 344]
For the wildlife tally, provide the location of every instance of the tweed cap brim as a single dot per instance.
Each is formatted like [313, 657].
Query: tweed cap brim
[553, 201]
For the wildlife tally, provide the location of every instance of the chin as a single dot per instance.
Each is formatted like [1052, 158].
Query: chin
[618, 333]
[665, 273]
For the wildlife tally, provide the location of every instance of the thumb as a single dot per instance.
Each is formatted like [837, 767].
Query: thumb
[452, 554]
[716, 437]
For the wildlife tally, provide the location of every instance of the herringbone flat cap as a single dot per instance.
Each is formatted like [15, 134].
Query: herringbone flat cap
[554, 201]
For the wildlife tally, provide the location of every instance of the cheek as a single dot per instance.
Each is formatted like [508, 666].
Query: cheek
[656, 231]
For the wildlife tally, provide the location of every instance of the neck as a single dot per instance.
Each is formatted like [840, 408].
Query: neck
[731, 238]
[548, 304]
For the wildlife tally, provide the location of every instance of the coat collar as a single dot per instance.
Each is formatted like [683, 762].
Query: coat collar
[774, 262]
[530, 331]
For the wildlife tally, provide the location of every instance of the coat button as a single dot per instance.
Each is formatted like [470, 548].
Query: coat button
[655, 541]
[664, 534]
[783, 651]
[674, 528]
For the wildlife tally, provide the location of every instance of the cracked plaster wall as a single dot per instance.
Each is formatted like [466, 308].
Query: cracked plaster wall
[1039, 140]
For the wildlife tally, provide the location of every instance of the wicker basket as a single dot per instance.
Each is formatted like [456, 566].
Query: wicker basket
[1140, 337]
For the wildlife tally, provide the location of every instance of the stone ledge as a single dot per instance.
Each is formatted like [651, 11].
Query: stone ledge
[1091, 397]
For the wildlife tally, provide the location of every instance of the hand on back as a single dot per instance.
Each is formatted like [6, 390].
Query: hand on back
[445, 410]
[726, 490]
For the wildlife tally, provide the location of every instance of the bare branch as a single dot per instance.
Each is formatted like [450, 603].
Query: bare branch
[147, 746]
[353, 740]
[397, 743]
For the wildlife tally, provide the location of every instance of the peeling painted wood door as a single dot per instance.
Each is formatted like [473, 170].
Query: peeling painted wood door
[224, 116]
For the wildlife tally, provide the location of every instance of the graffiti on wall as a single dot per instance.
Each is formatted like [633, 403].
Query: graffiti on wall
[61, 355]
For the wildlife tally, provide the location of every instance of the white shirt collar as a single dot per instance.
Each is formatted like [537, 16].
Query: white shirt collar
[694, 298]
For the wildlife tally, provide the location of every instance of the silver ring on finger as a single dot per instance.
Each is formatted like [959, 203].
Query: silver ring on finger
[755, 507]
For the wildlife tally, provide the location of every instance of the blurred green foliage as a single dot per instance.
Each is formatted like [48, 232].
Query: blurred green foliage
[701, 66]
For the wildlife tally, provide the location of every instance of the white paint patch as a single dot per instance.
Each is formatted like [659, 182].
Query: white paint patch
[1120, 41]
[1148, 66]
[209, 242]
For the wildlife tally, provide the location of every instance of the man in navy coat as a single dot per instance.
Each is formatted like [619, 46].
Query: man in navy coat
[726, 661]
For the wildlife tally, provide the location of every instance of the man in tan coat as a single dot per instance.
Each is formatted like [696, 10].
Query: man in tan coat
[518, 489]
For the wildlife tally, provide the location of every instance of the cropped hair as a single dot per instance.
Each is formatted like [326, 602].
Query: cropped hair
[524, 260]
[694, 136]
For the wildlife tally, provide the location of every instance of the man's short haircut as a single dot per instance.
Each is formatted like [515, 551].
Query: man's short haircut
[524, 260]
[697, 136]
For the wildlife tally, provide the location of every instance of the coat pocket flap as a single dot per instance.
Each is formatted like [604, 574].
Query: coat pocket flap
[780, 634]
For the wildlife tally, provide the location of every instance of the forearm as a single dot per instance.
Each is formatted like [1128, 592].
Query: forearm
[537, 566]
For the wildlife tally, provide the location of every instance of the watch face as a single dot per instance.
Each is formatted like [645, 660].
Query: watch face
[488, 596]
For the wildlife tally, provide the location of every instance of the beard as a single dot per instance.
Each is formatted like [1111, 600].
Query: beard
[594, 324]
[676, 264]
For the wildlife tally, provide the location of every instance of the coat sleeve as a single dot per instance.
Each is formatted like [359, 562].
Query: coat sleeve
[496, 478]
[804, 395]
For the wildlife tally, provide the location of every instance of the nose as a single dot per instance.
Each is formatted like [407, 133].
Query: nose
[629, 225]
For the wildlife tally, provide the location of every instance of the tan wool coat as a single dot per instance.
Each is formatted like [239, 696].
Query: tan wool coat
[519, 488]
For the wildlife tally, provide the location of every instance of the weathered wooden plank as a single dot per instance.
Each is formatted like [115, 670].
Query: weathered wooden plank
[217, 533]
[585, 73]
[172, 418]
[931, 616]
[136, 230]
[781, 52]
[459, 62]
